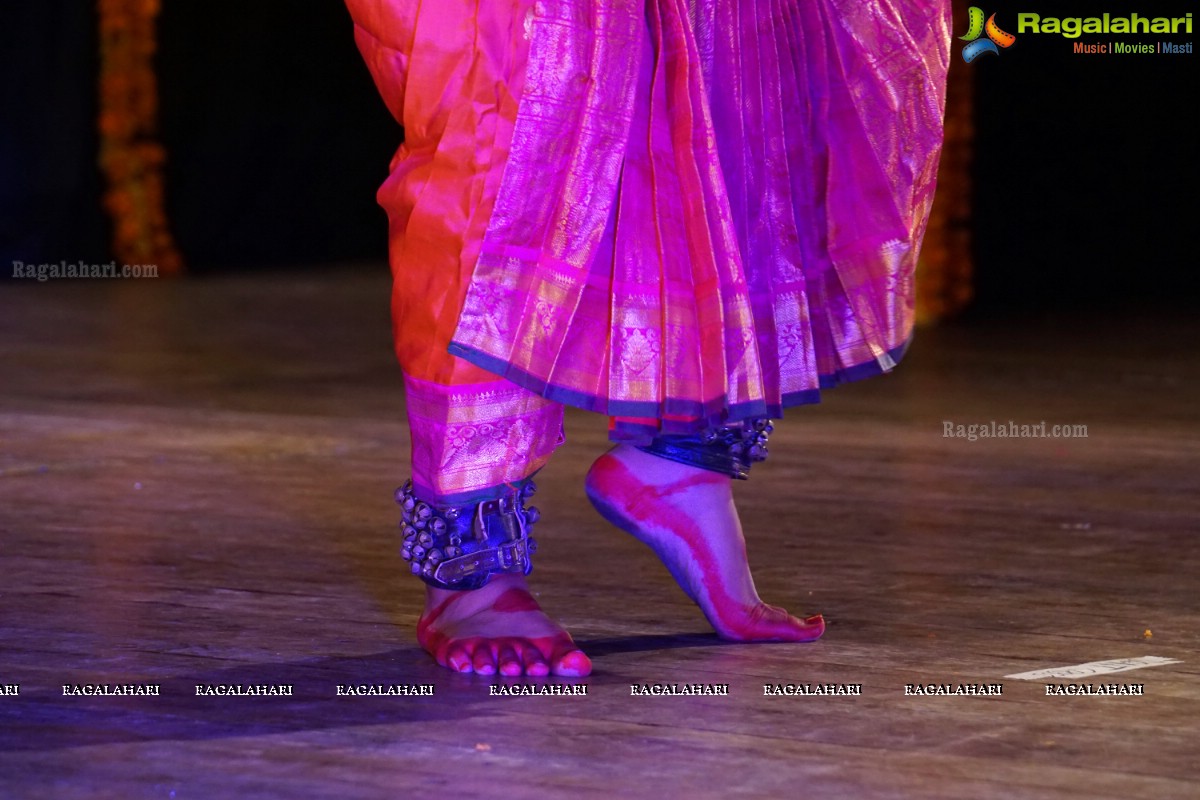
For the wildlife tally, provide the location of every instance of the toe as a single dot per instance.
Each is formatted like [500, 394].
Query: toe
[484, 660]
[572, 664]
[507, 661]
[535, 662]
[782, 626]
[810, 628]
[458, 659]
[765, 623]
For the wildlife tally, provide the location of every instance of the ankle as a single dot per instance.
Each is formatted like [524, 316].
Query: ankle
[471, 601]
[625, 470]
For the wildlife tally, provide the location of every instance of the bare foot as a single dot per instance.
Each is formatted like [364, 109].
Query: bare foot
[498, 628]
[687, 517]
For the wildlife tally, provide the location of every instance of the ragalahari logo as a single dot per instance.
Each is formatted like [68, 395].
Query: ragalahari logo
[996, 38]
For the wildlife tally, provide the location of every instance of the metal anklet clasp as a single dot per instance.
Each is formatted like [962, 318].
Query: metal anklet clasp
[461, 547]
[729, 449]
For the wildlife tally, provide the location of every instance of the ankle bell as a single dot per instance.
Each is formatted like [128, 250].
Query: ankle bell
[460, 547]
[728, 449]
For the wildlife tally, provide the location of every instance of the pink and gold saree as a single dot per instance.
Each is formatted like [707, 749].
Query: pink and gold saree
[674, 213]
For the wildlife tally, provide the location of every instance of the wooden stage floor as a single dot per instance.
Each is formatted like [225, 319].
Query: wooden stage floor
[196, 491]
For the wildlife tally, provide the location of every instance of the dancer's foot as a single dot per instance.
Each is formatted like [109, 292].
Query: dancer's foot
[687, 517]
[499, 628]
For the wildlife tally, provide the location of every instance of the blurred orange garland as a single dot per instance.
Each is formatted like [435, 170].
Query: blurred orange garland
[944, 285]
[131, 157]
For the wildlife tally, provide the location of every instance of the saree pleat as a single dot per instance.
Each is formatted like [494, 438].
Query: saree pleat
[708, 209]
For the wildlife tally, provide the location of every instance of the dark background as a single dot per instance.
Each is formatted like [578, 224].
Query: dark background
[1085, 165]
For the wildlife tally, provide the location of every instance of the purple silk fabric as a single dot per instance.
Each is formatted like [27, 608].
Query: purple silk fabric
[710, 210]
[468, 439]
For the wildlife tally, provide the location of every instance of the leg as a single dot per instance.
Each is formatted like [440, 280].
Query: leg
[471, 443]
[686, 515]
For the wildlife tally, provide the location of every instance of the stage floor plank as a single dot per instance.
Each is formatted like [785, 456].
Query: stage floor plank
[195, 489]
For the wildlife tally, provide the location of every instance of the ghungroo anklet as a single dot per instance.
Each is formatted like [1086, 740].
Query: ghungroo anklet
[729, 449]
[461, 547]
